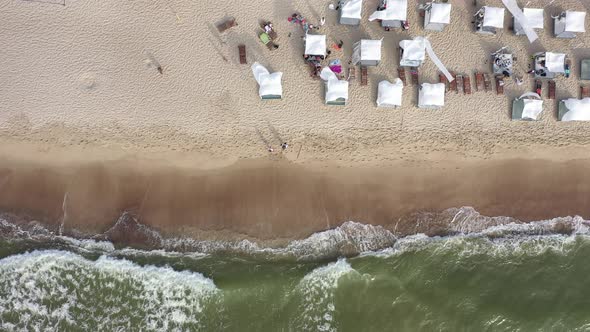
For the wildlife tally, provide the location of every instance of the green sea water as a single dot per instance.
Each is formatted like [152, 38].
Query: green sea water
[456, 283]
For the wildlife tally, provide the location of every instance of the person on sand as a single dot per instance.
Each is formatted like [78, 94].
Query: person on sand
[284, 146]
[322, 21]
[270, 149]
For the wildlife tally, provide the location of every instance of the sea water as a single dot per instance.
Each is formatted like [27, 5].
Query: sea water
[510, 277]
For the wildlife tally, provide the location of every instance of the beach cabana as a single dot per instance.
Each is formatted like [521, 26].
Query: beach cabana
[315, 45]
[431, 95]
[270, 84]
[488, 19]
[412, 52]
[336, 90]
[527, 107]
[367, 52]
[549, 65]
[569, 23]
[437, 16]
[534, 17]
[502, 62]
[350, 12]
[585, 69]
[391, 13]
[390, 94]
[574, 110]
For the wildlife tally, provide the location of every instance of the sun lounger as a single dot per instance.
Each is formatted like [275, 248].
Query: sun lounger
[226, 24]
[242, 50]
[351, 73]
[443, 79]
[453, 83]
[551, 90]
[585, 92]
[458, 83]
[401, 72]
[538, 87]
[414, 74]
[487, 83]
[364, 76]
[478, 81]
[466, 84]
[500, 84]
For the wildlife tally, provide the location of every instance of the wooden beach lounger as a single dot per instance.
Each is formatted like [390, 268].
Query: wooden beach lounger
[453, 84]
[551, 90]
[466, 84]
[414, 74]
[500, 84]
[487, 83]
[351, 74]
[443, 79]
[478, 81]
[242, 50]
[585, 92]
[538, 87]
[401, 72]
[226, 24]
[364, 76]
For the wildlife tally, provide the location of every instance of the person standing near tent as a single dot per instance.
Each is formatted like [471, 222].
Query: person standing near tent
[322, 21]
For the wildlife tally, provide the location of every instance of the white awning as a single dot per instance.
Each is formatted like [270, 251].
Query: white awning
[555, 62]
[352, 9]
[532, 108]
[270, 84]
[390, 94]
[578, 110]
[414, 49]
[574, 21]
[431, 95]
[396, 10]
[440, 13]
[493, 17]
[315, 44]
[371, 49]
[336, 89]
[535, 17]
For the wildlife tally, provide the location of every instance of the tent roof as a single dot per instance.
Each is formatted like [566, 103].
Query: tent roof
[352, 9]
[371, 49]
[315, 44]
[390, 94]
[535, 17]
[270, 84]
[440, 13]
[493, 17]
[574, 21]
[414, 49]
[555, 62]
[532, 108]
[396, 10]
[577, 110]
[432, 94]
[336, 89]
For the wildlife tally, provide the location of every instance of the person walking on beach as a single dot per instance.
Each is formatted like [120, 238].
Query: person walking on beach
[322, 21]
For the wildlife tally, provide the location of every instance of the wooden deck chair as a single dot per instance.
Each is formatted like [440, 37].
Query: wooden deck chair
[401, 72]
[364, 76]
[585, 92]
[487, 83]
[467, 84]
[478, 81]
[242, 51]
[229, 23]
[453, 84]
[538, 87]
[551, 94]
[500, 84]
[414, 74]
[351, 74]
[443, 79]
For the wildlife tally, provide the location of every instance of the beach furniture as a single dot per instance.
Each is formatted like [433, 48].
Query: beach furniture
[487, 82]
[585, 69]
[401, 72]
[549, 64]
[457, 82]
[585, 92]
[242, 53]
[350, 12]
[551, 94]
[266, 40]
[351, 73]
[414, 75]
[315, 45]
[499, 84]
[336, 89]
[568, 23]
[390, 94]
[502, 62]
[437, 16]
[367, 52]
[478, 81]
[573, 109]
[534, 17]
[538, 87]
[443, 79]
[364, 76]
[225, 25]
[391, 13]
[527, 107]
[270, 86]
[431, 95]
[488, 20]
[271, 33]
[466, 84]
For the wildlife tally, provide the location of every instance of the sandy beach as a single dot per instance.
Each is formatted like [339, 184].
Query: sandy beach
[89, 128]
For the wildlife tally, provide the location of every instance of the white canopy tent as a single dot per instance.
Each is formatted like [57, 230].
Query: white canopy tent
[351, 12]
[315, 44]
[555, 62]
[393, 15]
[569, 23]
[431, 95]
[534, 17]
[336, 90]
[270, 84]
[527, 107]
[493, 17]
[437, 16]
[367, 52]
[413, 52]
[574, 109]
[390, 94]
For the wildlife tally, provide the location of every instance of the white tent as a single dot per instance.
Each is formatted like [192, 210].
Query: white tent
[315, 44]
[437, 16]
[535, 17]
[527, 107]
[569, 23]
[493, 17]
[336, 90]
[555, 62]
[431, 95]
[270, 84]
[367, 52]
[574, 109]
[350, 12]
[395, 12]
[390, 94]
[414, 52]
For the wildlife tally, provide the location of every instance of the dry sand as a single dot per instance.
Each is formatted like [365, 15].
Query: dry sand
[83, 110]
